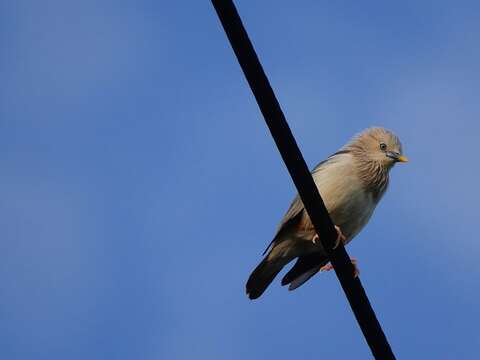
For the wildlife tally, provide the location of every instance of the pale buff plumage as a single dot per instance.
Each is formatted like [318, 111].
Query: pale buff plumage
[351, 183]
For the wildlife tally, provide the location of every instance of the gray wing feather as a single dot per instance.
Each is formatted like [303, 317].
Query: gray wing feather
[297, 205]
[296, 208]
[292, 214]
[302, 279]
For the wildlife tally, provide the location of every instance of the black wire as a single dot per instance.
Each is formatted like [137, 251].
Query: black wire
[302, 178]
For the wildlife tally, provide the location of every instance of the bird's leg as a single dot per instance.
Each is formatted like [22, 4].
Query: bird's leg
[356, 270]
[340, 237]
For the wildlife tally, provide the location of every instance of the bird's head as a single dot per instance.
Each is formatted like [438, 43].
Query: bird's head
[378, 145]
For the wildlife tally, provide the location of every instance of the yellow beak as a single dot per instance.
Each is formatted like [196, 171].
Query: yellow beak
[402, 158]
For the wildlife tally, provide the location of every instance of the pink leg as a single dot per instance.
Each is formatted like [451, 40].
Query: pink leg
[354, 261]
[340, 237]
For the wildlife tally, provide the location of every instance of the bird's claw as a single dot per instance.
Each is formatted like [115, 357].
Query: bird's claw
[356, 270]
[326, 267]
[340, 237]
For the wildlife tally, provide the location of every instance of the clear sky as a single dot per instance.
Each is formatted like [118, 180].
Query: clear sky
[139, 184]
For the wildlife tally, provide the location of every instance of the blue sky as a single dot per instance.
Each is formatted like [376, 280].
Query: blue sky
[140, 186]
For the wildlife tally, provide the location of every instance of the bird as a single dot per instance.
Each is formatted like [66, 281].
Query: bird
[351, 183]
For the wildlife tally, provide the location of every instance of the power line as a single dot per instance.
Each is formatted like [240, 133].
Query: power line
[302, 178]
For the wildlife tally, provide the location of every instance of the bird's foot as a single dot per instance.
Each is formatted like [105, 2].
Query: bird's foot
[340, 237]
[356, 270]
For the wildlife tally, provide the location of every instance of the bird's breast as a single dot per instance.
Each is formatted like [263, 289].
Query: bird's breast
[350, 206]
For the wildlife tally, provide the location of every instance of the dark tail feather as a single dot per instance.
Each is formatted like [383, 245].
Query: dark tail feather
[303, 265]
[263, 275]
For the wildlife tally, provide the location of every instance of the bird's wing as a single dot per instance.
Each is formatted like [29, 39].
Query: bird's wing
[302, 279]
[295, 211]
[292, 215]
[305, 267]
[297, 205]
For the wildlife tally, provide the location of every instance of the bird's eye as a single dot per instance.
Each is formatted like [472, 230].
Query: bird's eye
[383, 146]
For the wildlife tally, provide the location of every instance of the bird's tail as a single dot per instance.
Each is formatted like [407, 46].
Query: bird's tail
[262, 276]
[266, 271]
[305, 267]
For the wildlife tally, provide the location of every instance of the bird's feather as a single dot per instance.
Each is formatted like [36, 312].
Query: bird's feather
[304, 264]
[351, 183]
[303, 278]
